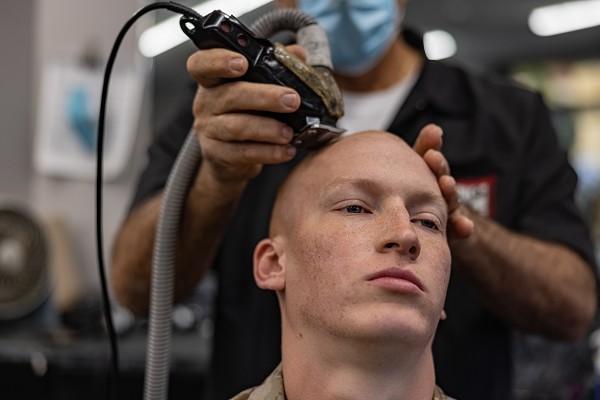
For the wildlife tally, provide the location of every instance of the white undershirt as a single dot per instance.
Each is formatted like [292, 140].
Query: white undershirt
[376, 110]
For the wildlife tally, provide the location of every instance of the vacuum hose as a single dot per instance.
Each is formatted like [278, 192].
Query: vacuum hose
[308, 34]
[158, 351]
[158, 359]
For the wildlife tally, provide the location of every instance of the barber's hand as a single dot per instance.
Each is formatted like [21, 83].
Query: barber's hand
[428, 145]
[236, 138]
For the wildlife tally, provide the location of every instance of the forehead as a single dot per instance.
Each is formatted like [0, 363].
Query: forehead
[378, 150]
[377, 155]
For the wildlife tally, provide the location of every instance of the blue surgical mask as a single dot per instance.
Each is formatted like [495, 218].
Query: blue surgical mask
[360, 31]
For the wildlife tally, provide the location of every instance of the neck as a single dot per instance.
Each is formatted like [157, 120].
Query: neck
[318, 366]
[400, 62]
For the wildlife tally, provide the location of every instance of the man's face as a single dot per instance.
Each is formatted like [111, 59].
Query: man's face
[362, 240]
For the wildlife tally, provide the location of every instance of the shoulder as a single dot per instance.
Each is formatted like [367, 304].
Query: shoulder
[457, 85]
[490, 99]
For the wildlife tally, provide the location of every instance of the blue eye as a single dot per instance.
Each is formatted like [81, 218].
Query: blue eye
[354, 209]
[427, 223]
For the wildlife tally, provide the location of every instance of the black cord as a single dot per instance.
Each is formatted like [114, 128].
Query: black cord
[114, 349]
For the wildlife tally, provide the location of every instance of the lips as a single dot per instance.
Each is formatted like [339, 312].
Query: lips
[397, 279]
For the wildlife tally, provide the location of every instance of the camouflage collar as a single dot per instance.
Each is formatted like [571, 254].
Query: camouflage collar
[272, 389]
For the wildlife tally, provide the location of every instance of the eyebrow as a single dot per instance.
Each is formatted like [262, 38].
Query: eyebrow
[420, 196]
[367, 185]
[430, 197]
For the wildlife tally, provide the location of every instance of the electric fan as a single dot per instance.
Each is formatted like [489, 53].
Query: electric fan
[24, 258]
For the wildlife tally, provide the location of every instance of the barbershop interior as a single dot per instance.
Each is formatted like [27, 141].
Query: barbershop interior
[88, 84]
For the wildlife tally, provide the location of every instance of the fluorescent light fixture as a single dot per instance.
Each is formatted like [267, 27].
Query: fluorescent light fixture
[439, 45]
[167, 34]
[564, 17]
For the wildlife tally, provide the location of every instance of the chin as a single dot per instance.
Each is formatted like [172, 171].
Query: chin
[404, 327]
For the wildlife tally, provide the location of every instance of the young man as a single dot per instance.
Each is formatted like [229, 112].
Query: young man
[529, 264]
[359, 259]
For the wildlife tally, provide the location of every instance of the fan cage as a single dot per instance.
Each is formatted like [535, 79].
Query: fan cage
[24, 278]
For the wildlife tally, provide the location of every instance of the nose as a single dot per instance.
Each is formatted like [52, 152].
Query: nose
[398, 234]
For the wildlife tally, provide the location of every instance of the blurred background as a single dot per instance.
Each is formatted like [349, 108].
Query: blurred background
[52, 338]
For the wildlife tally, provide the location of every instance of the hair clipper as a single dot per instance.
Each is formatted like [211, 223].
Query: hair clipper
[314, 123]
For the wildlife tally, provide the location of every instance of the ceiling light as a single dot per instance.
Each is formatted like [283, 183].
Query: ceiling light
[564, 17]
[439, 45]
[167, 34]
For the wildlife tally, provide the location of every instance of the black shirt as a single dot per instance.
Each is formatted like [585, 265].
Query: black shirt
[504, 153]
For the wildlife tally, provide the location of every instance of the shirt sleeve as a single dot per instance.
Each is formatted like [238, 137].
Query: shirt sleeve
[547, 205]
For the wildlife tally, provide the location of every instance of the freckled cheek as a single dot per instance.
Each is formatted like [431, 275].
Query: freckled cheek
[314, 250]
[324, 255]
[310, 283]
[446, 262]
[440, 260]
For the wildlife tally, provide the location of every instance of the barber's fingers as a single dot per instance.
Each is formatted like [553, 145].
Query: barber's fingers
[242, 160]
[436, 162]
[429, 138]
[230, 117]
[209, 67]
[234, 113]
[236, 136]
[447, 186]
[238, 154]
[460, 225]
[245, 96]
[244, 128]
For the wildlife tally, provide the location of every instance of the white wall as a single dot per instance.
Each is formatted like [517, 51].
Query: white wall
[16, 98]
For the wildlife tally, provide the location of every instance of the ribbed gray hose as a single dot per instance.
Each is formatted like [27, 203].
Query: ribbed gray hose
[308, 34]
[284, 19]
[158, 350]
[158, 356]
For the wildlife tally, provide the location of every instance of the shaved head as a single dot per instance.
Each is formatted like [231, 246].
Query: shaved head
[302, 181]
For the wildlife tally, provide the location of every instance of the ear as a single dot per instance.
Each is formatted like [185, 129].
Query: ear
[269, 270]
[443, 316]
